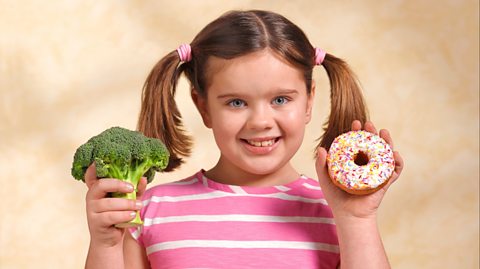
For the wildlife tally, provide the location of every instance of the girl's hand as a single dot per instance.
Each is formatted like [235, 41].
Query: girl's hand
[104, 212]
[345, 205]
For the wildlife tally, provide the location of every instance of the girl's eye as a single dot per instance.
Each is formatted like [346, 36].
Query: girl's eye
[236, 103]
[281, 100]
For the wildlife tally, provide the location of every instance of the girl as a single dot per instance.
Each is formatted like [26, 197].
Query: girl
[251, 81]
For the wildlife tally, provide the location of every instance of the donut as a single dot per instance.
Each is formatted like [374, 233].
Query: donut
[360, 162]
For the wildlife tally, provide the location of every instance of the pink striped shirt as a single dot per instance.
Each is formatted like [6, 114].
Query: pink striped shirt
[200, 223]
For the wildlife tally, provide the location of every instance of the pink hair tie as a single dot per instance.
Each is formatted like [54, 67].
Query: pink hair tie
[319, 56]
[185, 52]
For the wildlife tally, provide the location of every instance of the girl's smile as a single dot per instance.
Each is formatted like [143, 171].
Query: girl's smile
[261, 145]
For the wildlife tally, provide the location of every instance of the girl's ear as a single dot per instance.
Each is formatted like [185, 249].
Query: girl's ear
[201, 104]
[310, 99]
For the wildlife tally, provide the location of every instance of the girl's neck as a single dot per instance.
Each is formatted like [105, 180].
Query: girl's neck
[233, 175]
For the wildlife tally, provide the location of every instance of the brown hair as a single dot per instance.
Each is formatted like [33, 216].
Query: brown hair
[235, 34]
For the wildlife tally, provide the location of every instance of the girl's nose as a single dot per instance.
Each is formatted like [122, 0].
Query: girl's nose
[260, 118]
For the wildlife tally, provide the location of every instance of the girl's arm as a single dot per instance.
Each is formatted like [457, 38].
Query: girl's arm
[134, 254]
[356, 215]
[104, 257]
[360, 244]
[127, 255]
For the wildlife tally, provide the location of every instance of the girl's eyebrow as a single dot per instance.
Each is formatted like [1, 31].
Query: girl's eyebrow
[228, 96]
[287, 91]
[275, 92]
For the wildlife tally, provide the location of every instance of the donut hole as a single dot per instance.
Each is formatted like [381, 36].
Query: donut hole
[361, 158]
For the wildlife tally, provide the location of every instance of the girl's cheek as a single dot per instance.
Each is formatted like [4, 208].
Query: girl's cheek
[292, 115]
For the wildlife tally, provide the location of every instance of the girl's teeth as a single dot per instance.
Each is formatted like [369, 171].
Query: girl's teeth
[266, 143]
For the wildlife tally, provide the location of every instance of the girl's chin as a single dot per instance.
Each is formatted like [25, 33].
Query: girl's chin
[262, 167]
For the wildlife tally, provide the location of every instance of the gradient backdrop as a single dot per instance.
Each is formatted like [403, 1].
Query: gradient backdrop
[69, 69]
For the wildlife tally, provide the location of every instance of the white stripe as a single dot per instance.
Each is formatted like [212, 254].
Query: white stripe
[312, 187]
[282, 188]
[187, 182]
[136, 233]
[181, 198]
[205, 181]
[242, 244]
[237, 189]
[220, 194]
[238, 218]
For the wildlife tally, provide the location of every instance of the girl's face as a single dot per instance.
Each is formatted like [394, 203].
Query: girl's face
[257, 107]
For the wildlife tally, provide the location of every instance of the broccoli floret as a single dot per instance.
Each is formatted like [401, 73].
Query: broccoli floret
[122, 154]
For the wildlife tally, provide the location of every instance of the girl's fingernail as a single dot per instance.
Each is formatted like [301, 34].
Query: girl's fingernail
[133, 214]
[129, 186]
[138, 204]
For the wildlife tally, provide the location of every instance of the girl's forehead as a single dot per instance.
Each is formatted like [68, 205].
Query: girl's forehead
[255, 69]
[266, 57]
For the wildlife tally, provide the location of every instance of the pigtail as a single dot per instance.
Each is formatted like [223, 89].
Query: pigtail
[346, 100]
[159, 116]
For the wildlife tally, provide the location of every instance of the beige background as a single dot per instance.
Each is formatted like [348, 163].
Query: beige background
[69, 69]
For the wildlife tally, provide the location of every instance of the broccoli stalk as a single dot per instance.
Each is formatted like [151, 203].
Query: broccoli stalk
[132, 174]
[122, 154]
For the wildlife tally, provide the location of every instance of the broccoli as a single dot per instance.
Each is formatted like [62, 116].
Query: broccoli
[122, 154]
